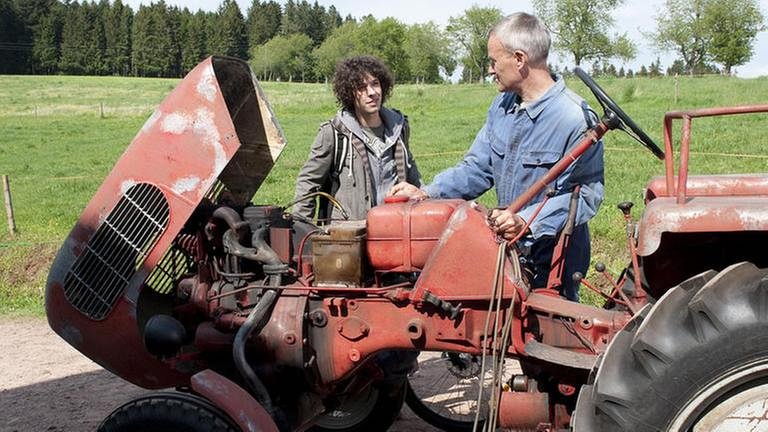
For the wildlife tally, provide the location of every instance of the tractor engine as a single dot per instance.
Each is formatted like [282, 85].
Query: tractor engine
[259, 287]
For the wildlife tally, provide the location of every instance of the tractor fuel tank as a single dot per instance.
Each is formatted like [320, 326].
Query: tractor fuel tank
[402, 233]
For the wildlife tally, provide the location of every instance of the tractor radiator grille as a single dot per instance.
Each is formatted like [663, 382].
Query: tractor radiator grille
[116, 251]
[175, 263]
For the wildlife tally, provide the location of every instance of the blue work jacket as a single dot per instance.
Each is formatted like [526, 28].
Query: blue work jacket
[517, 145]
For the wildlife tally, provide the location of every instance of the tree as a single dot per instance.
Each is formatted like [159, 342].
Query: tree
[46, 48]
[596, 69]
[229, 36]
[74, 40]
[117, 32]
[677, 68]
[193, 38]
[469, 32]
[156, 50]
[429, 52]
[263, 22]
[332, 20]
[701, 31]
[581, 27]
[344, 41]
[384, 39]
[283, 57]
[33, 14]
[654, 70]
[12, 43]
[292, 21]
[96, 43]
[681, 27]
[733, 25]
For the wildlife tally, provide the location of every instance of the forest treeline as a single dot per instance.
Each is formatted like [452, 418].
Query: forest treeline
[294, 41]
[302, 41]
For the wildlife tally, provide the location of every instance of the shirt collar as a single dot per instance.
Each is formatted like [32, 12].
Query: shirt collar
[533, 109]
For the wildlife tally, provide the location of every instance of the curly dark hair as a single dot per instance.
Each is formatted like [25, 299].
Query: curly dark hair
[350, 76]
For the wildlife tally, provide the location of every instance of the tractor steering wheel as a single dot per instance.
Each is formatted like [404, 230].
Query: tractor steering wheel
[625, 123]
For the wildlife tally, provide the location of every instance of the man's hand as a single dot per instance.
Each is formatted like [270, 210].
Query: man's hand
[506, 223]
[407, 190]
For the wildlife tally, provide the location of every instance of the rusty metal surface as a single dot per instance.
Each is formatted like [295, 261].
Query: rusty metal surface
[702, 203]
[713, 185]
[237, 403]
[461, 266]
[523, 410]
[214, 133]
[560, 356]
[687, 117]
[401, 235]
[700, 214]
[560, 306]
[337, 257]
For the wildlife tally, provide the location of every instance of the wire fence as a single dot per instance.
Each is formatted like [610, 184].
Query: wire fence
[98, 109]
[417, 156]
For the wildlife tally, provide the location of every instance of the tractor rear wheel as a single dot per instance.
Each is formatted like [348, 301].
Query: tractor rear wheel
[697, 360]
[167, 412]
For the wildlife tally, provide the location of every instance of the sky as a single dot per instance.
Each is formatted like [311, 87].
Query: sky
[635, 17]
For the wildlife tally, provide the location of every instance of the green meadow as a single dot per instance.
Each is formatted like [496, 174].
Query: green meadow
[60, 136]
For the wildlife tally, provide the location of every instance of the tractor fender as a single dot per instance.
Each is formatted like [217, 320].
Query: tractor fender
[710, 185]
[237, 403]
[700, 215]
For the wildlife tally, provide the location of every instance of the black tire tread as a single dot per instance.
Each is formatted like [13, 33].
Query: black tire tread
[651, 355]
[167, 411]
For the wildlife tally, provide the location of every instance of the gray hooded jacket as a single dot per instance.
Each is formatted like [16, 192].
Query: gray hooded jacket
[344, 162]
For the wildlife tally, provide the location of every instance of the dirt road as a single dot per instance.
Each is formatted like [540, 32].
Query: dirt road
[46, 385]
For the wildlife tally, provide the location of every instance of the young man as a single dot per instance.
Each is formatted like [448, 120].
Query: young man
[360, 154]
[530, 126]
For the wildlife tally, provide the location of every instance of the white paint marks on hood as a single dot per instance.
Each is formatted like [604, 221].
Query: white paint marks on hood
[176, 123]
[206, 87]
[127, 184]
[186, 184]
[205, 127]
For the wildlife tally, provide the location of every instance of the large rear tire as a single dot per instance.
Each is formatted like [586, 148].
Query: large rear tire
[167, 412]
[697, 360]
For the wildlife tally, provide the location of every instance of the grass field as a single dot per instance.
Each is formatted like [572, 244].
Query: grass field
[61, 135]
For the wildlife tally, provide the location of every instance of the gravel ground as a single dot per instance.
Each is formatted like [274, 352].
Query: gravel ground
[46, 385]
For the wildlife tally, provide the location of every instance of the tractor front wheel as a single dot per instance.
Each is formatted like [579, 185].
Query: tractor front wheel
[697, 360]
[167, 412]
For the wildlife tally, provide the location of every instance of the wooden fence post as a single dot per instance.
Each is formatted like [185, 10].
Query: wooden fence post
[9, 205]
[677, 89]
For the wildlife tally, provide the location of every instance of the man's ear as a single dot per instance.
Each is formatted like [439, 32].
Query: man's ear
[521, 58]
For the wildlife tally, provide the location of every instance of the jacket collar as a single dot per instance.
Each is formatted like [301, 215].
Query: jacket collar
[512, 102]
[393, 125]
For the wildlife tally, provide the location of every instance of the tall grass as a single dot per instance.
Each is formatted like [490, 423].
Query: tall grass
[57, 148]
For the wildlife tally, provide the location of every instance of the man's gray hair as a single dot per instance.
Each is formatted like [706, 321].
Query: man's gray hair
[524, 32]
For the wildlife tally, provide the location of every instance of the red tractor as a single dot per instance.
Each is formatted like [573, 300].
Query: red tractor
[264, 322]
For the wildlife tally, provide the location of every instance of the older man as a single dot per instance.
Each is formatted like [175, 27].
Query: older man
[530, 126]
